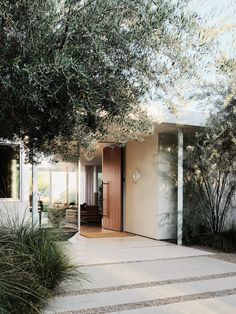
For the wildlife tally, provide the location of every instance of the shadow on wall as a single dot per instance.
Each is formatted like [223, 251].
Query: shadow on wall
[166, 165]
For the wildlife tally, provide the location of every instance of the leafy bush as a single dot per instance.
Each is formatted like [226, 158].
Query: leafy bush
[210, 181]
[224, 241]
[210, 168]
[32, 266]
[196, 232]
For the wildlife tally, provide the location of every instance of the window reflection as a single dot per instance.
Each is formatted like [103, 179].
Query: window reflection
[72, 187]
[57, 183]
[44, 186]
[59, 187]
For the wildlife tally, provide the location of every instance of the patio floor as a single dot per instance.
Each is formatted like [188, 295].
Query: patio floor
[132, 275]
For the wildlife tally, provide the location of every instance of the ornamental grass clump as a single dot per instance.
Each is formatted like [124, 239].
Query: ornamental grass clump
[32, 265]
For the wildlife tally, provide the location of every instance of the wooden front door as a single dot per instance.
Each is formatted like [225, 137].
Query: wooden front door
[112, 188]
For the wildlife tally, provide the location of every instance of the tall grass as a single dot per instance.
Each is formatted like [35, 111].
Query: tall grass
[32, 265]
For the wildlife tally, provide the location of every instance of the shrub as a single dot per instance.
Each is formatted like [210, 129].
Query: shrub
[210, 168]
[224, 241]
[32, 266]
[196, 232]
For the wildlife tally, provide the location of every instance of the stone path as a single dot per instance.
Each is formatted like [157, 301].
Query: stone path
[137, 275]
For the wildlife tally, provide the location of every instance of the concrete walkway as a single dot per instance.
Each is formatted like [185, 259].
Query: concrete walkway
[137, 275]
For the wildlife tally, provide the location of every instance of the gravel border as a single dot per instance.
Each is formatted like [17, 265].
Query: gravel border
[143, 285]
[155, 302]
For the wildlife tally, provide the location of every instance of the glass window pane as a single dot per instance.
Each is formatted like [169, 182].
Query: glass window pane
[59, 186]
[44, 186]
[9, 171]
[72, 187]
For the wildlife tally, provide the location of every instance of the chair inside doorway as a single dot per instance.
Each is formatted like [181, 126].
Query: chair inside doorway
[90, 215]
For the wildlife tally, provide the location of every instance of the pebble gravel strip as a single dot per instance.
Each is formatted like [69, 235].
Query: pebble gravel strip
[144, 285]
[155, 302]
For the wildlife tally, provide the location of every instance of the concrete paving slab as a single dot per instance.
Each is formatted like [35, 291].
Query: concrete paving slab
[119, 242]
[143, 272]
[116, 266]
[79, 302]
[107, 256]
[221, 305]
[117, 250]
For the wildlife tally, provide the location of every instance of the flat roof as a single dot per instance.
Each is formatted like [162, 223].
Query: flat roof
[181, 117]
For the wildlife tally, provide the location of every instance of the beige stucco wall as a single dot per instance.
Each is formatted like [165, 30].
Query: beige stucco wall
[167, 176]
[150, 203]
[142, 196]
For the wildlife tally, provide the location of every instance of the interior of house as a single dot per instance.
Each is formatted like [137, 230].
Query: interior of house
[98, 180]
[58, 192]
[91, 198]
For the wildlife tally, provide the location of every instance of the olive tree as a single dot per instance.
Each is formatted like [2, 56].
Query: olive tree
[71, 71]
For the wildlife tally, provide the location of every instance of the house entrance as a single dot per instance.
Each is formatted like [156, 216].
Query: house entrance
[101, 191]
[112, 188]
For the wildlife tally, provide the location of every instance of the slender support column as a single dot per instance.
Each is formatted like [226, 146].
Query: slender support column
[78, 190]
[124, 187]
[67, 186]
[35, 195]
[180, 187]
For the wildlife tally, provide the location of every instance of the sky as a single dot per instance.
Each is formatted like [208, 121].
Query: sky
[207, 5]
[216, 13]
[219, 13]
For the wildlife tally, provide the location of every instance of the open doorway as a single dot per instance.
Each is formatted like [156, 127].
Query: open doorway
[101, 191]
[88, 198]
[91, 193]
